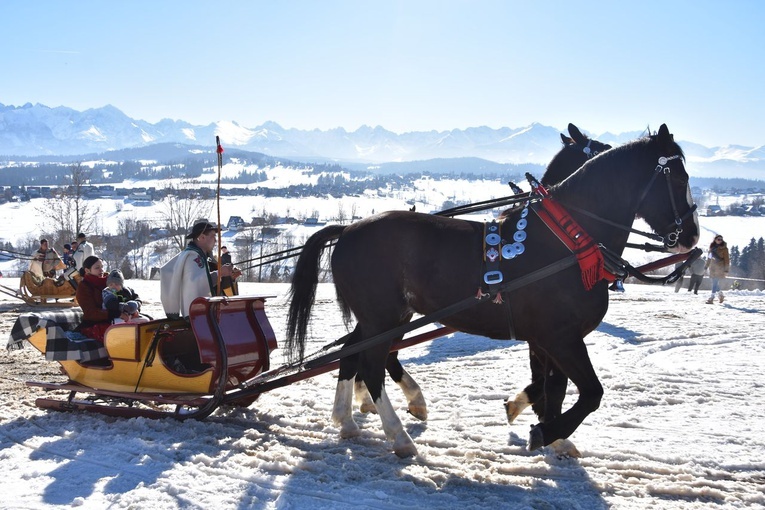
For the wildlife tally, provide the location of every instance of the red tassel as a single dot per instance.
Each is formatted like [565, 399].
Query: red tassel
[220, 149]
[498, 299]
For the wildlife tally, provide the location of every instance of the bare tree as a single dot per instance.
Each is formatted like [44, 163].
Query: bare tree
[68, 210]
[182, 208]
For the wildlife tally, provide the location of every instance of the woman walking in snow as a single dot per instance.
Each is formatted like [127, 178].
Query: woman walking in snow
[718, 262]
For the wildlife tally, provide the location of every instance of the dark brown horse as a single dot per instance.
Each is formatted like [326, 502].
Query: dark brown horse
[392, 265]
[577, 149]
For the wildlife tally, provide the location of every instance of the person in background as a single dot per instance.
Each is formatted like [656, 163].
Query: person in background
[225, 256]
[95, 318]
[187, 276]
[718, 263]
[73, 250]
[67, 256]
[679, 283]
[698, 268]
[48, 259]
[228, 285]
[83, 251]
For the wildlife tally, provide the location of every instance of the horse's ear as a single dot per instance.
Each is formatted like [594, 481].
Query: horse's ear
[577, 135]
[566, 140]
[665, 137]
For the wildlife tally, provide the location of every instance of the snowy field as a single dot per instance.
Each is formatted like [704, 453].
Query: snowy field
[681, 426]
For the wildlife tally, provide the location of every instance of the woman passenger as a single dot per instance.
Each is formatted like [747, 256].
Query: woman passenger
[95, 319]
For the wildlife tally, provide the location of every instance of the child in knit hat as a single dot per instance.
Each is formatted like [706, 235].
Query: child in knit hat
[112, 298]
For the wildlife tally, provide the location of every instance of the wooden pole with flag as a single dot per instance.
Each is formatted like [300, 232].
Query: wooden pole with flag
[219, 150]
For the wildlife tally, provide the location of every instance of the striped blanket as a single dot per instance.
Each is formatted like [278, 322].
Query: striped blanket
[63, 343]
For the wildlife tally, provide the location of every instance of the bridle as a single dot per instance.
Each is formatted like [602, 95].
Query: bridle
[590, 153]
[662, 168]
[670, 240]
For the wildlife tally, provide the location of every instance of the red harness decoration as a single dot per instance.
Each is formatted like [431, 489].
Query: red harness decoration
[558, 220]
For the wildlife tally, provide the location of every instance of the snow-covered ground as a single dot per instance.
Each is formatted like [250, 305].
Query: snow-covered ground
[681, 425]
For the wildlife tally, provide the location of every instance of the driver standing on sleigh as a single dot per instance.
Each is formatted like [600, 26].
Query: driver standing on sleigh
[187, 276]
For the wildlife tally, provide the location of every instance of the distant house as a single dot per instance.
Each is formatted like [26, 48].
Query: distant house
[714, 210]
[738, 211]
[235, 223]
[313, 222]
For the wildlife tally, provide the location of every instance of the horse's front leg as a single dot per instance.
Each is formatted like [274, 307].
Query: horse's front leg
[373, 373]
[342, 411]
[573, 361]
[534, 393]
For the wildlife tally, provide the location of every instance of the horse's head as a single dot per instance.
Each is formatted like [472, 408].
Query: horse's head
[577, 149]
[665, 202]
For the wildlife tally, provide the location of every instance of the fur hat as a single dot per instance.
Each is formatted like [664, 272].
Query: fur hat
[115, 277]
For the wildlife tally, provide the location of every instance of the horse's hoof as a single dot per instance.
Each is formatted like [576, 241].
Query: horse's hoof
[419, 412]
[565, 448]
[404, 451]
[368, 407]
[514, 408]
[349, 429]
[536, 438]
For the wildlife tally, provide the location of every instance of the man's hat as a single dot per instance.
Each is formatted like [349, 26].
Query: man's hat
[81, 236]
[200, 228]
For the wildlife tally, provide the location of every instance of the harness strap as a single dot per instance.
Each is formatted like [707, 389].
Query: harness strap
[459, 306]
[570, 233]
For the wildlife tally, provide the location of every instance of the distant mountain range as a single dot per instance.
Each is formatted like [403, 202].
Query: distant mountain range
[37, 130]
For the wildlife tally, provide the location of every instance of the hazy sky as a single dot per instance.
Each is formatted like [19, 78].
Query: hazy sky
[408, 65]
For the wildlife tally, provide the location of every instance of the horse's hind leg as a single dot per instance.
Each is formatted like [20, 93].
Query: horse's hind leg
[342, 411]
[362, 396]
[416, 404]
[373, 372]
[415, 400]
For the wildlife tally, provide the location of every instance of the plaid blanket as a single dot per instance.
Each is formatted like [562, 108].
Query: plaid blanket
[63, 342]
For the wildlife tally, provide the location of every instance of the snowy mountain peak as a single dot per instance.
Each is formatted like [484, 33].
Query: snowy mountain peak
[36, 129]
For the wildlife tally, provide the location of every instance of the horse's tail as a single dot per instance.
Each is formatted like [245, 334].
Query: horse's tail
[303, 288]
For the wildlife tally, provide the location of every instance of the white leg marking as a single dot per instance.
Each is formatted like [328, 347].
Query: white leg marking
[363, 398]
[403, 446]
[342, 413]
[417, 406]
[565, 448]
[514, 408]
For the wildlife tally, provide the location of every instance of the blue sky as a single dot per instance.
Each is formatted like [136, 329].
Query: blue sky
[404, 65]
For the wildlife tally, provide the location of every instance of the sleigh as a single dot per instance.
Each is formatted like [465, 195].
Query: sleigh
[177, 367]
[168, 367]
[36, 290]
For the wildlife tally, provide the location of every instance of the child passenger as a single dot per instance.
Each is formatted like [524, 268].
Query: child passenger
[116, 295]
